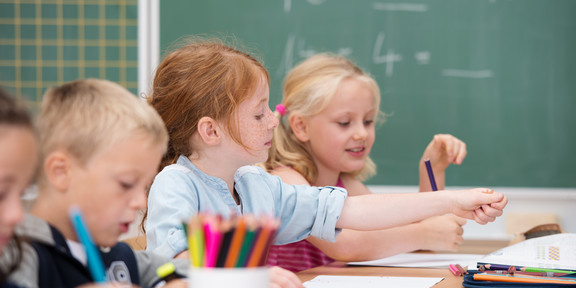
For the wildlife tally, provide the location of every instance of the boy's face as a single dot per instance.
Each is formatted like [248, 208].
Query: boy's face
[18, 156]
[111, 188]
[341, 136]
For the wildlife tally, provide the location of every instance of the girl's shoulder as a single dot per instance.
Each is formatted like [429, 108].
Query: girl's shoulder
[289, 175]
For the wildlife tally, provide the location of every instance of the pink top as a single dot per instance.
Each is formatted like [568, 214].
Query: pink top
[300, 255]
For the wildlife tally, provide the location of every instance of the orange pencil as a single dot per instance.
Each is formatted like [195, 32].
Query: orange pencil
[264, 256]
[518, 279]
[261, 241]
[236, 243]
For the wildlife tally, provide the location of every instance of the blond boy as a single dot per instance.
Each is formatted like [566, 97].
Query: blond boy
[100, 148]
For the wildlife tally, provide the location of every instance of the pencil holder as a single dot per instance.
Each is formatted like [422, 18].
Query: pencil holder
[258, 277]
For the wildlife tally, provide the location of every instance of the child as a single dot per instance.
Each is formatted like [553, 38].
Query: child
[100, 149]
[18, 157]
[329, 101]
[214, 102]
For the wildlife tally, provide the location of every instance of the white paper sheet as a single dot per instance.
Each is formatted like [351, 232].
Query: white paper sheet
[556, 251]
[423, 260]
[330, 281]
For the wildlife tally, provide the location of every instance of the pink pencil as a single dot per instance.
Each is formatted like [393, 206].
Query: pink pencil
[213, 239]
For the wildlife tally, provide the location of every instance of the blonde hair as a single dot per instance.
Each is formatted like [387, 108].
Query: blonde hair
[85, 117]
[308, 89]
[202, 78]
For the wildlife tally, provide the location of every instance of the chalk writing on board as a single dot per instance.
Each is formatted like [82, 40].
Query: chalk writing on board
[297, 48]
[288, 4]
[408, 7]
[467, 73]
[389, 57]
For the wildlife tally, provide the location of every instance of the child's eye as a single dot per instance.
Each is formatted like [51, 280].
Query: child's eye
[260, 116]
[368, 122]
[344, 124]
[126, 186]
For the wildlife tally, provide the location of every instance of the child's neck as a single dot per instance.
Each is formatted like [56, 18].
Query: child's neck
[327, 178]
[216, 169]
[55, 213]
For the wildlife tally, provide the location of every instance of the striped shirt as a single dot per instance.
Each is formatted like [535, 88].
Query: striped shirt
[300, 255]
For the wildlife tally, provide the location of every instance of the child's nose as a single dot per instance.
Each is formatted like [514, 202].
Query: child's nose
[139, 201]
[12, 215]
[360, 132]
[273, 121]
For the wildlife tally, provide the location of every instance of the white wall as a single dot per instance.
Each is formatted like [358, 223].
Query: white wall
[561, 202]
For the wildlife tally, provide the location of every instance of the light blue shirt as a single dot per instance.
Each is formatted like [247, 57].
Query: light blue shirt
[181, 190]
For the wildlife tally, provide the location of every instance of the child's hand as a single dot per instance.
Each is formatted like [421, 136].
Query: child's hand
[443, 150]
[481, 204]
[176, 283]
[282, 278]
[442, 233]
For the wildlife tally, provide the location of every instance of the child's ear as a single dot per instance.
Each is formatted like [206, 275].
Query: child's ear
[209, 131]
[299, 126]
[57, 170]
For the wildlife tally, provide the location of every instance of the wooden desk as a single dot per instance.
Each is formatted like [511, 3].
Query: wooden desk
[340, 268]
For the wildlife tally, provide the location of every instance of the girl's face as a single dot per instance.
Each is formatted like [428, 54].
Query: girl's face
[18, 156]
[256, 123]
[341, 136]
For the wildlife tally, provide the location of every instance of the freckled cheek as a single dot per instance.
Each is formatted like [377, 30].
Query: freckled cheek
[254, 133]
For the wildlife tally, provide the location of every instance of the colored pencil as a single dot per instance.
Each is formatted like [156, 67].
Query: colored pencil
[454, 270]
[241, 241]
[228, 232]
[213, 239]
[236, 244]
[93, 257]
[488, 266]
[431, 175]
[260, 243]
[196, 242]
[522, 279]
[264, 256]
[248, 243]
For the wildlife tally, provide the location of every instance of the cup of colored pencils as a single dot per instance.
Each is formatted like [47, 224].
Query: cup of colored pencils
[229, 252]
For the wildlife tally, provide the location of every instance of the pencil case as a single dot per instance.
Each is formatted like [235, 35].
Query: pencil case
[469, 282]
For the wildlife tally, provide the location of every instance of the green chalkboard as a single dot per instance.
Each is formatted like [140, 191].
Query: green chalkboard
[46, 43]
[499, 74]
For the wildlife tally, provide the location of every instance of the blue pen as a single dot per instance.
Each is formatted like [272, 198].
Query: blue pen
[431, 175]
[93, 256]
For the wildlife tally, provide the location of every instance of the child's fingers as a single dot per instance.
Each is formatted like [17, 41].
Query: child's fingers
[458, 150]
[445, 140]
[283, 278]
[461, 221]
[454, 147]
[461, 154]
[492, 212]
[500, 204]
[482, 218]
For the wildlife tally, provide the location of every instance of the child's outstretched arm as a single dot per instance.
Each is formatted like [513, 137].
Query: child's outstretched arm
[443, 150]
[381, 211]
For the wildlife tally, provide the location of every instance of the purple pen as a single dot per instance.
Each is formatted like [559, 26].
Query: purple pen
[431, 175]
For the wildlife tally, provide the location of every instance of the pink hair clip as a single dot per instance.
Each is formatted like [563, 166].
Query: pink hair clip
[281, 109]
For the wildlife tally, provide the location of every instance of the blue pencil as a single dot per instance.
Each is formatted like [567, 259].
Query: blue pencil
[431, 175]
[95, 264]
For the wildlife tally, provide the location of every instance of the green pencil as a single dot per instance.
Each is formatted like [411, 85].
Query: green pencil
[544, 270]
